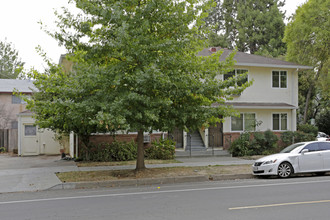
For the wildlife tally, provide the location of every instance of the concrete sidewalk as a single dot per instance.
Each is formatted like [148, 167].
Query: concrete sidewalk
[18, 174]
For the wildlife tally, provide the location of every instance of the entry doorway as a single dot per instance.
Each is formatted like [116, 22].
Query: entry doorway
[216, 135]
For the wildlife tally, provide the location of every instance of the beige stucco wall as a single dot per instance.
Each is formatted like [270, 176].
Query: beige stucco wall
[11, 109]
[262, 91]
[265, 116]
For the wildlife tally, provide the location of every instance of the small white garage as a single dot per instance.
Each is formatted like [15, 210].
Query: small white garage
[35, 141]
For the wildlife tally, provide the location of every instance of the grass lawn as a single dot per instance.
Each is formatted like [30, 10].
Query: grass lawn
[123, 163]
[79, 176]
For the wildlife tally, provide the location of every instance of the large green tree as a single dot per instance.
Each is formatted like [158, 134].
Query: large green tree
[136, 67]
[251, 26]
[11, 65]
[307, 39]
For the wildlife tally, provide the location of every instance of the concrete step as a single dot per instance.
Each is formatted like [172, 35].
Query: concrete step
[204, 153]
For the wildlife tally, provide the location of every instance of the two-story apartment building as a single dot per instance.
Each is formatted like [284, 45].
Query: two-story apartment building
[269, 104]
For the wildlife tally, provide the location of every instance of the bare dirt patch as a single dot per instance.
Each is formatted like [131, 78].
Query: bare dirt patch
[81, 176]
[123, 163]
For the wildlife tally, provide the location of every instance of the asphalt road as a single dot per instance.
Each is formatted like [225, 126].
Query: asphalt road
[295, 198]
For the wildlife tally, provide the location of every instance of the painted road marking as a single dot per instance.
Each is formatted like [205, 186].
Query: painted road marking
[160, 192]
[279, 204]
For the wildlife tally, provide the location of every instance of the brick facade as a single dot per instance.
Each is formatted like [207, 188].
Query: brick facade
[104, 138]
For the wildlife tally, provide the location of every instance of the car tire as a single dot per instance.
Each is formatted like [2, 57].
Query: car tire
[284, 170]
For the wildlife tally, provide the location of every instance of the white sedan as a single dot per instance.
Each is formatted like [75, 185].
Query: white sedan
[304, 157]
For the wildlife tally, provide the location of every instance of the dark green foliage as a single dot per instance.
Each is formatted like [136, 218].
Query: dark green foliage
[302, 136]
[254, 26]
[116, 151]
[254, 143]
[163, 149]
[263, 142]
[290, 137]
[287, 137]
[241, 146]
[307, 39]
[2, 149]
[308, 129]
[323, 122]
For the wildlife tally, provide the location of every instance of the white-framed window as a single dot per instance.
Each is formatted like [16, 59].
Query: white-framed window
[279, 79]
[30, 130]
[246, 122]
[234, 73]
[280, 121]
[17, 100]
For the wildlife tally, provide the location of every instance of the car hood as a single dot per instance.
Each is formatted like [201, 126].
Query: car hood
[273, 157]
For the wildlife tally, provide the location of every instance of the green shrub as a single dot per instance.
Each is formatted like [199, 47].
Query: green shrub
[288, 137]
[241, 146]
[258, 144]
[271, 140]
[104, 152]
[300, 136]
[308, 129]
[263, 142]
[123, 151]
[255, 143]
[162, 149]
[2, 149]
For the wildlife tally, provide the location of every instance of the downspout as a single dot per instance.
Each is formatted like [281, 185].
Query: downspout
[19, 135]
[293, 101]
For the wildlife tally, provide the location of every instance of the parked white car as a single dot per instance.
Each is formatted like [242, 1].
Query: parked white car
[321, 136]
[304, 157]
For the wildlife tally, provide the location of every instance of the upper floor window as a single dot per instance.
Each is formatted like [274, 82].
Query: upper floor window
[17, 100]
[279, 79]
[280, 122]
[246, 122]
[234, 73]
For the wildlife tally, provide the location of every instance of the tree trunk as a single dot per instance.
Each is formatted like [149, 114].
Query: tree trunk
[85, 141]
[309, 94]
[140, 152]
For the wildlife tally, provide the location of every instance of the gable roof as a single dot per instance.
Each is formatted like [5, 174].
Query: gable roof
[245, 59]
[9, 85]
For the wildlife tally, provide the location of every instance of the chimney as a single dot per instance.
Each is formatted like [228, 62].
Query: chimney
[213, 49]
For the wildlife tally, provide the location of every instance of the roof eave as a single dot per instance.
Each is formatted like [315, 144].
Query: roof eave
[274, 66]
[264, 107]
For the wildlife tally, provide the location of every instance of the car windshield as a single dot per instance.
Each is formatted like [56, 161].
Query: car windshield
[291, 147]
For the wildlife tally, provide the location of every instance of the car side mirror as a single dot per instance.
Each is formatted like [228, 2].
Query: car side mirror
[304, 151]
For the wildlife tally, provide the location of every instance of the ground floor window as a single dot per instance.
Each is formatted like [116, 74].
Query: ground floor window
[246, 122]
[280, 122]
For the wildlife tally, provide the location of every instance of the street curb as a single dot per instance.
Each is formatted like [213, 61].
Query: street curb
[149, 181]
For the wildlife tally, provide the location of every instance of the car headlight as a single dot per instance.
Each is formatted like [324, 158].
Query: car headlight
[269, 162]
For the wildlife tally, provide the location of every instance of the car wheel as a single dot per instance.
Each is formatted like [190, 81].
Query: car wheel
[284, 170]
[320, 173]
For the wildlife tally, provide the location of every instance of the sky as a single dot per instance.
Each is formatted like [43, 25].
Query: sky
[19, 25]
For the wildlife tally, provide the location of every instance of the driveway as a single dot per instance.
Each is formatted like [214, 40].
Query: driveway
[31, 173]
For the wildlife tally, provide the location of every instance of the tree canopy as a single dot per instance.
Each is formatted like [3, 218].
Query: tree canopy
[136, 68]
[10, 63]
[251, 26]
[307, 39]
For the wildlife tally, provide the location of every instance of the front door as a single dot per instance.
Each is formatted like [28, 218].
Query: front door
[29, 142]
[216, 135]
[177, 136]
